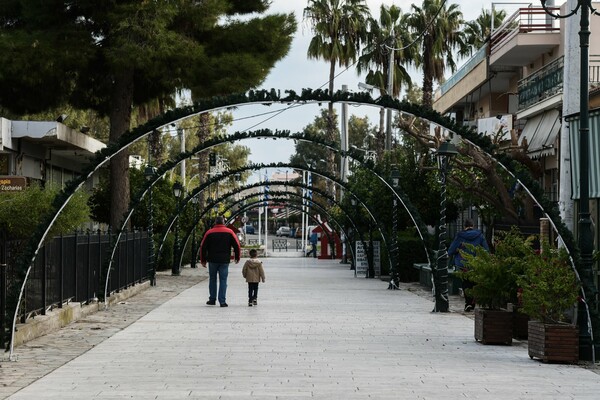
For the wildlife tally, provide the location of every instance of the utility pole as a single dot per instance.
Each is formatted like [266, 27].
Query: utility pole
[344, 143]
[390, 91]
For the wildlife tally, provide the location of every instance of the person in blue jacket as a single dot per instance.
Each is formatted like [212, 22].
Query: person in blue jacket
[314, 239]
[471, 236]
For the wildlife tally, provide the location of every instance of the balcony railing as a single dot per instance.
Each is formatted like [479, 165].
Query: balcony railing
[542, 84]
[467, 67]
[524, 20]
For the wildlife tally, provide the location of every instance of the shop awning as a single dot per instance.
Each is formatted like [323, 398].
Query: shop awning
[540, 132]
[594, 154]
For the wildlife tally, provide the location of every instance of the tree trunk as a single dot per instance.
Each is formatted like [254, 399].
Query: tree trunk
[120, 119]
[427, 78]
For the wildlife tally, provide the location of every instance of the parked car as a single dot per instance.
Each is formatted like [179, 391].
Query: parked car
[250, 229]
[283, 231]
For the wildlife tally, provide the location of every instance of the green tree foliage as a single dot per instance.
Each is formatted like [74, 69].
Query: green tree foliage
[339, 27]
[20, 211]
[111, 56]
[496, 274]
[549, 285]
[375, 56]
[478, 32]
[441, 36]
[389, 31]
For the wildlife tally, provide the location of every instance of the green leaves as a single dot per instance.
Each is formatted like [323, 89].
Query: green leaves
[549, 285]
[496, 274]
[21, 211]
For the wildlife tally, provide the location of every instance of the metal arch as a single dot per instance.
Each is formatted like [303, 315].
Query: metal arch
[27, 259]
[217, 178]
[250, 206]
[265, 133]
[294, 184]
[280, 183]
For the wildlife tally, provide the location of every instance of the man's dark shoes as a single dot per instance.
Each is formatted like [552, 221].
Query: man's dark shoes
[211, 302]
[468, 308]
[224, 305]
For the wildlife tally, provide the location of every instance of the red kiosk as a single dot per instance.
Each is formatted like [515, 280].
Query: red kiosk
[324, 232]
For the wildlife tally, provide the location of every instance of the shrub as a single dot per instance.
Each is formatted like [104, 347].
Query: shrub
[495, 274]
[549, 285]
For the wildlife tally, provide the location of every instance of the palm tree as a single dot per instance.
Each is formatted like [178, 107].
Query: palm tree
[338, 26]
[441, 36]
[478, 32]
[375, 57]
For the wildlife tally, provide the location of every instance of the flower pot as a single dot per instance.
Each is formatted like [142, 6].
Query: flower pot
[493, 326]
[553, 342]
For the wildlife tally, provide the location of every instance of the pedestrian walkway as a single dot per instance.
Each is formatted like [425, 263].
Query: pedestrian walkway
[317, 332]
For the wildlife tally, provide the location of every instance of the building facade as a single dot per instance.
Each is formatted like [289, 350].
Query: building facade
[521, 86]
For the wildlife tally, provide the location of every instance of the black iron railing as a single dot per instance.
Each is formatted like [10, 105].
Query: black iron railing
[71, 269]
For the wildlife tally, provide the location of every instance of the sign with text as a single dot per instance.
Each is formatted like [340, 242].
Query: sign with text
[12, 183]
[362, 263]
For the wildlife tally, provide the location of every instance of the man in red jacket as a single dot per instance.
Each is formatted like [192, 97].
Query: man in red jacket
[216, 250]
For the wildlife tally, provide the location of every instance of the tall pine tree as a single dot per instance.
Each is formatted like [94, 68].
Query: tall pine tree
[111, 55]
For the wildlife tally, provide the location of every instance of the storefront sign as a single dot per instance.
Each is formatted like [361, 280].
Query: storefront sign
[12, 183]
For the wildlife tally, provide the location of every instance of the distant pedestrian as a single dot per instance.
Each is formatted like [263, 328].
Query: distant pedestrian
[254, 273]
[467, 236]
[216, 250]
[314, 239]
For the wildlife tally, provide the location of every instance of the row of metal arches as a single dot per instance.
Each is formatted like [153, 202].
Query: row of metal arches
[26, 261]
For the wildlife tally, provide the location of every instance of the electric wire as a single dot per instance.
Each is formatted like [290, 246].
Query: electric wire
[420, 34]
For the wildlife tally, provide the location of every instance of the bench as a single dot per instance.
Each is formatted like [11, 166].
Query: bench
[425, 278]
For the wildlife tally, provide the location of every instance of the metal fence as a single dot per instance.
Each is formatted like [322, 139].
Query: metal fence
[71, 269]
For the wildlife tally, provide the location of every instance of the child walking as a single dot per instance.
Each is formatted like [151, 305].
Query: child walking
[254, 273]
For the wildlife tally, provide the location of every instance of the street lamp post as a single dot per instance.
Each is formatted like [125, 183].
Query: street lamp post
[394, 278]
[177, 192]
[150, 173]
[586, 235]
[440, 271]
[351, 238]
[194, 201]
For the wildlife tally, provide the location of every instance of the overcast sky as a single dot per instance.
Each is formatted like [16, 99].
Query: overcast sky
[296, 72]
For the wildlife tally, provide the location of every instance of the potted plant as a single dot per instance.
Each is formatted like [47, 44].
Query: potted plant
[550, 289]
[495, 285]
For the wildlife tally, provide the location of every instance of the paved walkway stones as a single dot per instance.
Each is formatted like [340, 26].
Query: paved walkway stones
[317, 333]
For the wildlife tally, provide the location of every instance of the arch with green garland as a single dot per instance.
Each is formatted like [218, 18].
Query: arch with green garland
[214, 202]
[26, 259]
[276, 193]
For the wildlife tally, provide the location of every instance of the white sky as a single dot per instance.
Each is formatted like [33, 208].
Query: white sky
[296, 72]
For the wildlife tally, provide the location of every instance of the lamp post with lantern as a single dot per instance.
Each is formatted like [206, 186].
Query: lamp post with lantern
[149, 174]
[177, 192]
[394, 273]
[586, 312]
[194, 201]
[440, 269]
